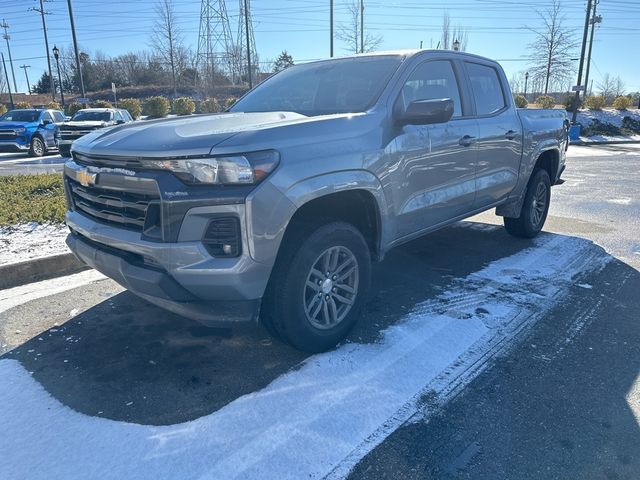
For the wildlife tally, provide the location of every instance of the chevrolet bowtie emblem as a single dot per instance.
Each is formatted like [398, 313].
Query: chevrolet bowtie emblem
[86, 178]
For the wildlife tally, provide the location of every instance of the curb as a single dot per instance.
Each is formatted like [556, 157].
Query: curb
[44, 268]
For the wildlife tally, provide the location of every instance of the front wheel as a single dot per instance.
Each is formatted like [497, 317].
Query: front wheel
[37, 147]
[534, 208]
[318, 286]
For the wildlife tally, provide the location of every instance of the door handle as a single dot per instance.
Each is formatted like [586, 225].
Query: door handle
[467, 140]
[511, 134]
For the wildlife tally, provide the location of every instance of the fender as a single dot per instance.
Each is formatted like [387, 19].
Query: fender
[513, 206]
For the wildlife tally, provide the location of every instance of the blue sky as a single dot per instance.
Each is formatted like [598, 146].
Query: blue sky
[496, 29]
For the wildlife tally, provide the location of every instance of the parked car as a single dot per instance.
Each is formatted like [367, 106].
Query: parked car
[277, 208]
[29, 130]
[87, 120]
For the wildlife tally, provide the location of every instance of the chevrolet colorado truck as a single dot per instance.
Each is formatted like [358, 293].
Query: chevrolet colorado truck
[29, 130]
[85, 121]
[275, 209]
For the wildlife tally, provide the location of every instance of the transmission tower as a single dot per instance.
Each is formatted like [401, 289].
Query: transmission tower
[215, 43]
[243, 55]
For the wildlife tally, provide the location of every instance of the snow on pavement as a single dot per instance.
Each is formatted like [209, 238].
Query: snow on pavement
[318, 420]
[26, 241]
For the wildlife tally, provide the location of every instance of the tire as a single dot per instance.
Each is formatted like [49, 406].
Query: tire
[305, 307]
[64, 151]
[534, 208]
[37, 147]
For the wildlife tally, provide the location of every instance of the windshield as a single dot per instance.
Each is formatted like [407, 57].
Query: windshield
[347, 85]
[92, 117]
[20, 116]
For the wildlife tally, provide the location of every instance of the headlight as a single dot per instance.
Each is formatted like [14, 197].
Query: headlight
[243, 169]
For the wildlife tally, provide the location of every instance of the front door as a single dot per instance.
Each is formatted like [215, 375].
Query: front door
[432, 175]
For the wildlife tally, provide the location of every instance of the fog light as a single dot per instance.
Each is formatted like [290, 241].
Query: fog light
[227, 249]
[222, 237]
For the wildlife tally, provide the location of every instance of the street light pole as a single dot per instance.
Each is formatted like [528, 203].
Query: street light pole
[24, 67]
[526, 81]
[75, 48]
[56, 54]
[331, 28]
[361, 26]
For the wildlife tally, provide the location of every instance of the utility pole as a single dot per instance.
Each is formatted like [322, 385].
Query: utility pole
[7, 37]
[582, 53]
[75, 49]
[6, 74]
[246, 28]
[526, 81]
[42, 13]
[361, 26]
[331, 28]
[595, 19]
[24, 67]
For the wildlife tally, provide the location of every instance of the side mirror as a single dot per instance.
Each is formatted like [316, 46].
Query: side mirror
[46, 122]
[424, 112]
[119, 122]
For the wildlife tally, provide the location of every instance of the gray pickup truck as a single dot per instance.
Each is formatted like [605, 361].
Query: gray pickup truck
[276, 209]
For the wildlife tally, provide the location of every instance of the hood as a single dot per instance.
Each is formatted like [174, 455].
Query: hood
[10, 125]
[84, 124]
[181, 136]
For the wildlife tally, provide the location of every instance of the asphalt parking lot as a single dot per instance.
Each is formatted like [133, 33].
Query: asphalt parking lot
[478, 356]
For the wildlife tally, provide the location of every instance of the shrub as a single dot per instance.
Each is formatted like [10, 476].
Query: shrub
[210, 105]
[53, 106]
[3, 109]
[631, 125]
[520, 101]
[156, 107]
[101, 104]
[31, 198]
[228, 103]
[132, 105]
[622, 103]
[72, 108]
[20, 105]
[183, 106]
[545, 101]
[599, 128]
[595, 102]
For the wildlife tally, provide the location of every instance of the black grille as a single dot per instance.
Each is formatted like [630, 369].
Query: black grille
[122, 208]
[222, 237]
[7, 134]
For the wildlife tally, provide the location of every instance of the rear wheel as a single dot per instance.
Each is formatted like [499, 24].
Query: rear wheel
[37, 147]
[534, 208]
[318, 286]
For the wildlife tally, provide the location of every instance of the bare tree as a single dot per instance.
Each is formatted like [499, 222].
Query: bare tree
[450, 34]
[167, 38]
[552, 49]
[610, 87]
[349, 32]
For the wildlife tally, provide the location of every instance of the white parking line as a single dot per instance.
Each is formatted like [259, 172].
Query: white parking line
[318, 420]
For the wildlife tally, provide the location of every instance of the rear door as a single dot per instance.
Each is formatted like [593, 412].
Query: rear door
[499, 143]
[434, 172]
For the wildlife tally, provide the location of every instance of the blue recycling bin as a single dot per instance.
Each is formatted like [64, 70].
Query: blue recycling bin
[574, 132]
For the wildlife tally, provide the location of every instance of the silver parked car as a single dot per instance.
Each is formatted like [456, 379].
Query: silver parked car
[276, 209]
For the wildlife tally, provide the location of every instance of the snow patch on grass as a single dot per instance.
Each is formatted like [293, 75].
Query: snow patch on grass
[607, 115]
[31, 240]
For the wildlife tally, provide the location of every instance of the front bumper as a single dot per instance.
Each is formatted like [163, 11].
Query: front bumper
[157, 286]
[14, 147]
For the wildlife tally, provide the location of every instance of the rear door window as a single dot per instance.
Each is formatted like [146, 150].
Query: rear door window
[487, 89]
